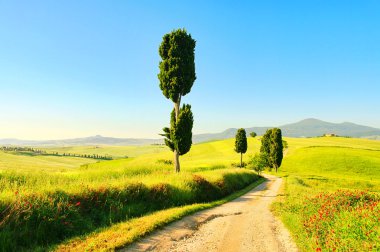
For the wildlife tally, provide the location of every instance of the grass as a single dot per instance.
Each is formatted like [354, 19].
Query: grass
[77, 201]
[10, 162]
[332, 187]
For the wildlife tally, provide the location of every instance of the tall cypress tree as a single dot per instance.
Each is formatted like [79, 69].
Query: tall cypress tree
[176, 76]
[241, 144]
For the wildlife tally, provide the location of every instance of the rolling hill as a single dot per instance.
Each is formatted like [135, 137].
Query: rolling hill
[306, 128]
[92, 140]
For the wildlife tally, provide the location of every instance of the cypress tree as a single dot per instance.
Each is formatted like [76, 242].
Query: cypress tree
[276, 148]
[179, 136]
[176, 76]
[265, 143]
[241, 144]
[272, 148]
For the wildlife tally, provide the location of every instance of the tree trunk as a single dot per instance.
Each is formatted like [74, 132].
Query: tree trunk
[241, 160]
[176, 161]
[176, 154]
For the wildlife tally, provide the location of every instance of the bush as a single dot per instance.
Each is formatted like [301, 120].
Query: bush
[165, 161]
[259, 162]
[204, 190]
[237, 165]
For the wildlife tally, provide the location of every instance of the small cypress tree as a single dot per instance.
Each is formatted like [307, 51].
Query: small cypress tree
[179, 135]
[241, 144]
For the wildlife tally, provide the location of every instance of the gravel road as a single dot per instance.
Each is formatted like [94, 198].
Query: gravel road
[244, 224]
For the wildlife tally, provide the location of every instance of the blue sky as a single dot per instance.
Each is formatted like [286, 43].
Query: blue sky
[80, 68]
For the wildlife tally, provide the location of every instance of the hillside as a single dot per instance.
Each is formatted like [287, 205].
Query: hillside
[78, 187]
[332, 188]
[305, 128]
[42, 206]
[92, 140]
[314, 127]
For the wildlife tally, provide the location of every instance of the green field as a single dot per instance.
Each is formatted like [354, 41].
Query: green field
[332, 194]
[19, 162]
[119, 200]
[106, 150]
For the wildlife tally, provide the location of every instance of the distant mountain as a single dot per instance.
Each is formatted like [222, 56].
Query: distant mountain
[92, 140]
[228, 133]
[314, 127]
[305, 128]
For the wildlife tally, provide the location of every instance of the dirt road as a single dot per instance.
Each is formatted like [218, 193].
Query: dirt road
[244, 224]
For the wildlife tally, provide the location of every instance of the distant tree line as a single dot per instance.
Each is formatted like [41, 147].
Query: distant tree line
[45, 153]
[23, 149]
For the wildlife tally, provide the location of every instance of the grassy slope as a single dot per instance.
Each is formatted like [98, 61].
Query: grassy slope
[39, 173]
[114, 151]
[56, 192]
[26, 163]
[322, 166]
[335, 158]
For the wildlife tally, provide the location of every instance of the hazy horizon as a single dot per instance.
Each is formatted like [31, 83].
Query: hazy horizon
[76, 69]
[160, 137]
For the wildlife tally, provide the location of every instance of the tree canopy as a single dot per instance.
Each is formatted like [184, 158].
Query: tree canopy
[177, 68]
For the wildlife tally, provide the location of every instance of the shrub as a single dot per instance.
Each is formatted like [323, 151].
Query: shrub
[259, 162]
[165, 161]
[238, 165]
[204, 190]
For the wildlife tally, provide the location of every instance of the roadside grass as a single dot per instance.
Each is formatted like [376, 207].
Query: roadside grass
[123, 234]
[332, 194]
[36, 220]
